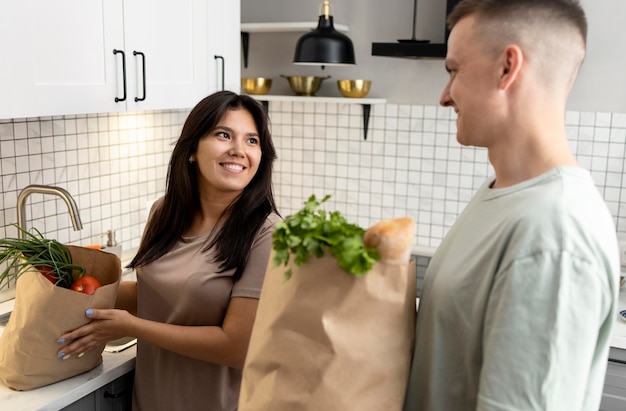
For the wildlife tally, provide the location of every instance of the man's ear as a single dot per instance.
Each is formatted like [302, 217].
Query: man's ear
[511, 62]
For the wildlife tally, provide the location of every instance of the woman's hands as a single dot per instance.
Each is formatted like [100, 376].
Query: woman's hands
[225, 345]
[105, 325]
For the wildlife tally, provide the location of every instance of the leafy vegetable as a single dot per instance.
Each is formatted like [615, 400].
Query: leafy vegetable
[311, 231]
[50, 257]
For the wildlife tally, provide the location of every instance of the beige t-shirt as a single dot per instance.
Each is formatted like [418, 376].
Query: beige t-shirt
[183, 287]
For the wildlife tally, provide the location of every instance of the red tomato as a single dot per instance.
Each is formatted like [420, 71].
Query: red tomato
[46, 272]
[86, 285]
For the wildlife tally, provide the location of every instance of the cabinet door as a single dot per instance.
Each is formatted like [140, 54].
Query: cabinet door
[224, 21]
[117, 395]
[87, 403]
[58, 56]
[614, 395]
[172, 35]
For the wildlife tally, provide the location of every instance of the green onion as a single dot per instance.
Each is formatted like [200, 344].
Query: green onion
[50, 257]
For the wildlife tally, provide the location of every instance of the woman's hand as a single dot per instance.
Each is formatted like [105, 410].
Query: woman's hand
[105, 325]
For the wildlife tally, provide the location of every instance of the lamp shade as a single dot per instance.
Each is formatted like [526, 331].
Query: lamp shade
[324, 45]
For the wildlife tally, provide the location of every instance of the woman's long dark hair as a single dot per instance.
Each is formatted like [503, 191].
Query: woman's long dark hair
[242, 218]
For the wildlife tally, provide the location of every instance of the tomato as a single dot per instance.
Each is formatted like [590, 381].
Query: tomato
[46, 272]
[86, 285]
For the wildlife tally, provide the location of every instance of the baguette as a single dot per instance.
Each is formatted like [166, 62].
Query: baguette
[392, 239]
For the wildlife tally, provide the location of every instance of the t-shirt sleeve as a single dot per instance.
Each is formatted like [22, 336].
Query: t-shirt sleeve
[540, 333]
[251, 280]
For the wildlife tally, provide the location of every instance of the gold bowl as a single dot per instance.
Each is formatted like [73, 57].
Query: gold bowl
[305, 85]
[354, 88]
[256, 85]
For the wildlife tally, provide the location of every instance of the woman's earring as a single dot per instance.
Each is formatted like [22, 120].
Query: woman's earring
[191, 161]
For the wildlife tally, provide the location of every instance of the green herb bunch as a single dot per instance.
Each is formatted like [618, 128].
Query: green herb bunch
[312, 231]
[50, 257]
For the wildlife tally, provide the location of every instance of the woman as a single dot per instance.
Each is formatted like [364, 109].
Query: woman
[200, 265]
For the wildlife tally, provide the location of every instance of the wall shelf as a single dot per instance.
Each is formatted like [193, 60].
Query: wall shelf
[295, 26]
[365, 102]
[291, 27]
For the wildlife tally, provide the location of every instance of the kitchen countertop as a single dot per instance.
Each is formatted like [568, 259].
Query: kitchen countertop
[63, 393]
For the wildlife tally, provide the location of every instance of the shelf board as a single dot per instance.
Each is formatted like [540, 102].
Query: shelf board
[293, 26]
[297, 26]
[316, 99]
[410, 50]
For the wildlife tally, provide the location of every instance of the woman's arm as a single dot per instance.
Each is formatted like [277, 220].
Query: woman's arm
[127, 297]
[226, 345]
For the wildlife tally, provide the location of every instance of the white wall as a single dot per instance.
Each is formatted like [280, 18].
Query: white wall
[601, 85]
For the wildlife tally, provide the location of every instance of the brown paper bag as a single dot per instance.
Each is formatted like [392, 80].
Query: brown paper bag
[43, 312]
[326, 340]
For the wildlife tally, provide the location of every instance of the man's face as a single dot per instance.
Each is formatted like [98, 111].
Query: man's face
[473, 82]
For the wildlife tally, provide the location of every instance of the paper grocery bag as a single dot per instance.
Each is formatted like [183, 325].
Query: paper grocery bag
[326, 340]
[43, 312]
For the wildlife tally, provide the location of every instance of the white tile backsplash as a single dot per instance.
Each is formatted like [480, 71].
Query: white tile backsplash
[410, 164]
[110, 163]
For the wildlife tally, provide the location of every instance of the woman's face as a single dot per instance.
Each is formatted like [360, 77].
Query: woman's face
[228, 157]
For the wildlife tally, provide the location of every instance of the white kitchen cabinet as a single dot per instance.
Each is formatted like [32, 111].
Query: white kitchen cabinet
[55, 52]
[173, 37]
[224, 34]
[75, 56]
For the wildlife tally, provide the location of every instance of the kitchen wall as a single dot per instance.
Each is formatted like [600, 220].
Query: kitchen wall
[410, 164]
[601, 85]
[112, 164]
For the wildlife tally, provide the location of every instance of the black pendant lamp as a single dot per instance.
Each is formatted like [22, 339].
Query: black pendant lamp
[324, 46]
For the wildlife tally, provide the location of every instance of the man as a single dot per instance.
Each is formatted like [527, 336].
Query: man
[519, 300]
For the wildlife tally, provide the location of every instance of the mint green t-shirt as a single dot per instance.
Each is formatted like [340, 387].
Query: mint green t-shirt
[519, 301]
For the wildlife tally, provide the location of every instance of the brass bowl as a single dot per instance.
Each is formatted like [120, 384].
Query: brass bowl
[256, 85]
[305, 85]
[354, 88]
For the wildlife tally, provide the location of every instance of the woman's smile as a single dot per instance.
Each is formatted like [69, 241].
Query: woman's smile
[233, 167]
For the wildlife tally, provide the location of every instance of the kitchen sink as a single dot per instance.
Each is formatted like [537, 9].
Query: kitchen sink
[120, 344]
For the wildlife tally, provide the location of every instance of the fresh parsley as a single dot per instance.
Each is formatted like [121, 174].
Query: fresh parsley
[312, 231]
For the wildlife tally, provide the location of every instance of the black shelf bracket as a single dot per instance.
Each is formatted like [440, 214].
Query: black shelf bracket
[245, 44]
[366, 119]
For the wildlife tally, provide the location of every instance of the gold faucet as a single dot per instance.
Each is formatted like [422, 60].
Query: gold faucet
[39, 189]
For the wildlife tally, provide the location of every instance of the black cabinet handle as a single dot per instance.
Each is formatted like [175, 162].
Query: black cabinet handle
[143, 73]
[117, 99]
[114, 396]
[221, 58]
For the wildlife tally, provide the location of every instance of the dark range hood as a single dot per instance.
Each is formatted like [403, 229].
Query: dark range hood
[414, 48]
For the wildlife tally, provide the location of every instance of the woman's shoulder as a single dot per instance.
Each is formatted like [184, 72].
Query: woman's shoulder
[269, 224]
[272, 218]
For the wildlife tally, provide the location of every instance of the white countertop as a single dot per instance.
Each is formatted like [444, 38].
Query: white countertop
[63, 393]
